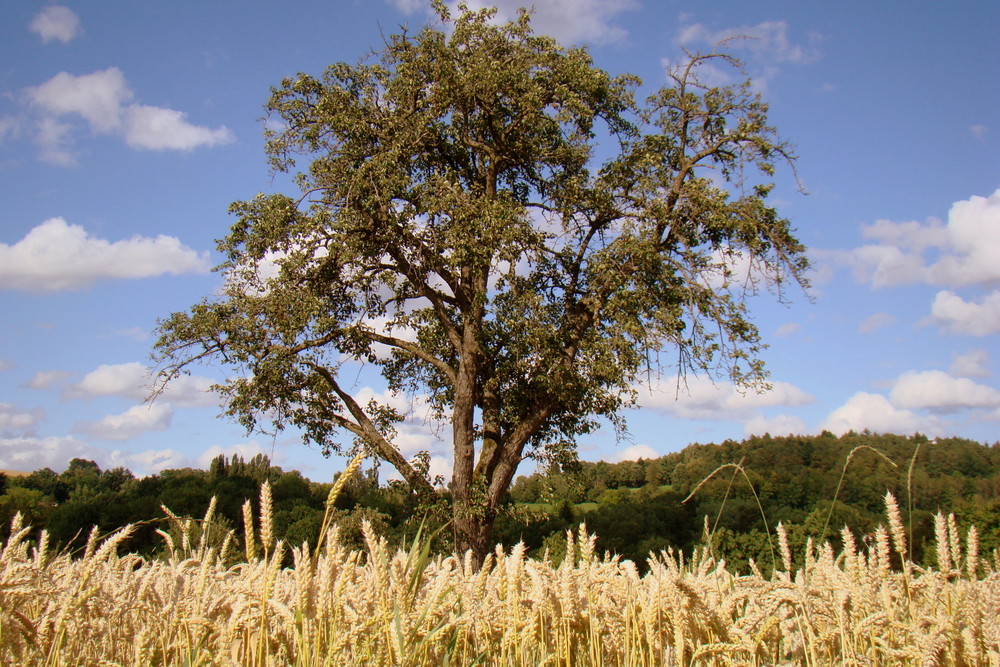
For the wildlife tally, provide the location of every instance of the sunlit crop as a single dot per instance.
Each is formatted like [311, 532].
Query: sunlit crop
[860, 606]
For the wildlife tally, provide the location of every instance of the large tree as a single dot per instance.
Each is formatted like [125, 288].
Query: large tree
[498, 226]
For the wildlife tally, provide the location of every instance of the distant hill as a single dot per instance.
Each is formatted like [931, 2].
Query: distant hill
[14, 473]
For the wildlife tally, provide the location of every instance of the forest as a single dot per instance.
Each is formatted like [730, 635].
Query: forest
[729, 496]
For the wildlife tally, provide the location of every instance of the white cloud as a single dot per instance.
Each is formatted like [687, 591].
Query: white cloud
[191, 391]
[885, 265]
[768, 39]
[5, 365]
[52, 137]
[154, 128]
[409, 6]
[875, 322]
[939, 392]
[129, 380]
[59, 256]
[47, 379]
[148, 462]
[418, 431]
[780, 425]
[762, 48]
[634, 453]
[56, 23]
[13, 418]
[440, 465]
[967, 248]
[700, 398]
[99, 98]
[964, 251]
[29, 454]
[133, 381]
[568, 21]
[875, 413]
[105, 101]
[973, 242]
[970, 318]
[132, 423]
[972, 364]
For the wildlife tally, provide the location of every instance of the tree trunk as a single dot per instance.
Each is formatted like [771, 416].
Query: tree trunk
[473, 532]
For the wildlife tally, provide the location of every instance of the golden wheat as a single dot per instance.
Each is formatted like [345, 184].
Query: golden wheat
[403, 607]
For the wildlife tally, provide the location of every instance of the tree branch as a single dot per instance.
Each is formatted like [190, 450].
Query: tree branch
[364, 428]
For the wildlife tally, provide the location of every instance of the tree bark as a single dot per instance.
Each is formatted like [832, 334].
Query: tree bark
[473, 531]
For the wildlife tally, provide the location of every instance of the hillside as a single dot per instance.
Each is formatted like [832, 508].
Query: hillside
[813, 485]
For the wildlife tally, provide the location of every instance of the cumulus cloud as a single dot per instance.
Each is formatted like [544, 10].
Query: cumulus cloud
[157, 129]
[132, 423]
[768, 39]
[56, 23]
[147, 462]
[972, 364]
[971, 318]
[938, 391]
[780, 425]
[47, 379]
[13, 418]
[28, 454]
[52, 138]
[106, 102]
[133, 381]
[634, 453]
[58, 256]
[763, 47]
[568, 21]
[701, 398]
[874, 412]
[440, 466]
[129, 380]
[961, 252]
[100, 98]
[419, 431]
[191, 391]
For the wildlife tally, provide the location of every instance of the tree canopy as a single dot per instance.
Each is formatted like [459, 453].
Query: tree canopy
[497, 225]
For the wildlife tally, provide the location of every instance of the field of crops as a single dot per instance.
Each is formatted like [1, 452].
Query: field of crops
[862, 606]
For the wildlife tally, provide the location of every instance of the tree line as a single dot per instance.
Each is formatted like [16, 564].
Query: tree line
[728, 496]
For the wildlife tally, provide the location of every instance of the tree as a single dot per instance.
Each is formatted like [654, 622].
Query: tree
[456, 231]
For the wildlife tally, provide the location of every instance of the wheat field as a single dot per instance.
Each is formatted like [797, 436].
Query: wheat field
[862, 606]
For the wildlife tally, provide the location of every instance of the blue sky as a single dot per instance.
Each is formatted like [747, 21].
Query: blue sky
[127, 128]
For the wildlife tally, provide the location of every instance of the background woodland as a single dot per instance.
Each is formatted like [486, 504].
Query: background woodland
[633, 507]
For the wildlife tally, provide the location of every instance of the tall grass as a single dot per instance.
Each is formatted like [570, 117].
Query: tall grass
[381, 606]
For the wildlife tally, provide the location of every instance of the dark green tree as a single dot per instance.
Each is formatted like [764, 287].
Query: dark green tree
[459, 229]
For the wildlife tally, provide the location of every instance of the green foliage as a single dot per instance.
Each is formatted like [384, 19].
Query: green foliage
[632, 526]
[456, 210]
[796, 479]
[33, 505]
